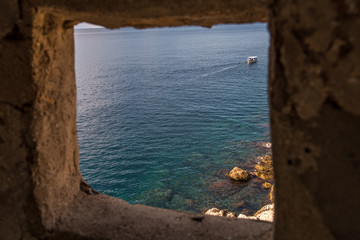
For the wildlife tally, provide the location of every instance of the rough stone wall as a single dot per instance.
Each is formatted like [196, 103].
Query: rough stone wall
[19, 217]
[42, 194]
[315, 118]
[39, 155]
[150, 13]
[315, 121]
[56, 173]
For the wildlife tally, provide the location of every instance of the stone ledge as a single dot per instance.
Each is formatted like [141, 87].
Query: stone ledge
[103, 217]
[151, 13]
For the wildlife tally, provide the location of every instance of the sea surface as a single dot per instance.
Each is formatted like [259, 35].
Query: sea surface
[164, 113]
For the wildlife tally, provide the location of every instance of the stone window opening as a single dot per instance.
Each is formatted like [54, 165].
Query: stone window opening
[102, 76]
[313, 93]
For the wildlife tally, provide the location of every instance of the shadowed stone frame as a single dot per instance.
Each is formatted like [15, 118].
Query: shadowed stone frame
[314, 88]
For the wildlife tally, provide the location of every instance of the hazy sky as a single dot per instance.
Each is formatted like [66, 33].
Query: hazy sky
[86, 25]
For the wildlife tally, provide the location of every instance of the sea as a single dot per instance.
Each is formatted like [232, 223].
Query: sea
[164, 113]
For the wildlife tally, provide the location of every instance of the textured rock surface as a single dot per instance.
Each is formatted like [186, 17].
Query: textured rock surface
[266, 185]
[222, 213]
[243, 216]
[103, 217]
[272, 194]
[266, 213]
[314, 89]
[42, 194]
[264, 169]
[239, 174]
[315, 117]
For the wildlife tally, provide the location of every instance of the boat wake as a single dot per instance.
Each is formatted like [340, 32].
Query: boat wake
[217, 71]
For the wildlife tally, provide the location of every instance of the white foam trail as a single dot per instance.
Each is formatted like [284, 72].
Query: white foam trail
[215, 72]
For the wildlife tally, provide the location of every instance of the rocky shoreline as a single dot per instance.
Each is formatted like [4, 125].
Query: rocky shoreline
[212, 187]
[262, 173]
[266, 213]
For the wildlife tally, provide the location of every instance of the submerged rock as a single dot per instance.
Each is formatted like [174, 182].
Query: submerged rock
[222, 213]
[240, 205]
[264, 169]
[225, 188]
[157, 197]
[221, 174]
[179, 201]
[239, 174]
[221, 186]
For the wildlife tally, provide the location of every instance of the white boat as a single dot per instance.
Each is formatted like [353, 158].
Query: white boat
[252, 59]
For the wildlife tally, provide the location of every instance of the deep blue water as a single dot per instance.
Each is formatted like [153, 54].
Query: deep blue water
[162, 112]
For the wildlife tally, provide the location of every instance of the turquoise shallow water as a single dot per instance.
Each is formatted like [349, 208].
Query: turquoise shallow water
[163, 112]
